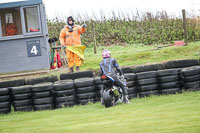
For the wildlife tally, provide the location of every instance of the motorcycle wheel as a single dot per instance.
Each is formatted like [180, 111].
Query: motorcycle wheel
[107, 98]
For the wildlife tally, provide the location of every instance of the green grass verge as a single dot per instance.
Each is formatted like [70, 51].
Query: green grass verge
[130, 55]
[139, 54]
[173, 113]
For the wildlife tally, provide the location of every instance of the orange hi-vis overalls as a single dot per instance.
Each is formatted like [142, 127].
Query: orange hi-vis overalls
[72, 39]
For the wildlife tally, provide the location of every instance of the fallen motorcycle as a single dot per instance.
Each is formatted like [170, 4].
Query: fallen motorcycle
[112, 94]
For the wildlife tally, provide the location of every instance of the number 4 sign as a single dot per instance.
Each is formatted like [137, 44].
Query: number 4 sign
[33, 48]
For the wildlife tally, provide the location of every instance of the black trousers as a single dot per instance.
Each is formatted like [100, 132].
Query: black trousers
[119, 83]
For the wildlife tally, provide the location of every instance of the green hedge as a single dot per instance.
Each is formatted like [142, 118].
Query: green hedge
[146, 30]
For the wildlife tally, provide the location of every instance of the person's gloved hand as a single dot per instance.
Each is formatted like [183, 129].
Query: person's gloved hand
[84, 25]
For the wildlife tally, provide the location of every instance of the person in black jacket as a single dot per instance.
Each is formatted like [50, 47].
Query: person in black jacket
[110, 67]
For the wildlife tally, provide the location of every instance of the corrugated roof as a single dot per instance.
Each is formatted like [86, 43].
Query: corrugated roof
[17, 3]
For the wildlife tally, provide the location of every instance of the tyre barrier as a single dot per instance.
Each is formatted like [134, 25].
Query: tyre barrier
[168, 81]
[131, 84]
[191, 78]
[22, 98]
[147, 83]
[40, 94]
[64, 93]
[85, 90]
[5, 101]
[43, 97]
[98, 87]
[165, 65]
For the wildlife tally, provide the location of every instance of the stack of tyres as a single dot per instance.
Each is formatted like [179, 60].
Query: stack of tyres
[98, 87]
[180, 78]
[64, 93]
[5, 101]
[168, 81]
[191, 78]
[42, 95]
[85, 90]
[38, 80]
[22, 98]
[147, 83]
[131, 84]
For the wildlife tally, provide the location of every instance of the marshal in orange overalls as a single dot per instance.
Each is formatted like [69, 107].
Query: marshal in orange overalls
[72, 39]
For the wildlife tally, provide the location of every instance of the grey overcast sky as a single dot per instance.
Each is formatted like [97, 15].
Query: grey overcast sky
[67, 7]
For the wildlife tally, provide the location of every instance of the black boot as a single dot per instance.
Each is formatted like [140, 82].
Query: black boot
[126, 99]
[101, 92]
[77, 68]
[71, 69]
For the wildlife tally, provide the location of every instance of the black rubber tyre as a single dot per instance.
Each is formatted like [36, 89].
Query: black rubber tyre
[86, 95]
[86, 101]
[97, 81]
[4, 91]
[5, 111]
[169, 85]
[149, 81]
[107, 99]
[146, 75]
[98, 87]
[44, 107]
[21, 89]
[48, 100]
[83, 82]
[24, 108]
[42, 94]
[76, 75]
[130, 76]
[4, 105]
[42, 87]
[85, 89]
[5, 98]
[192, 85]
[148, 93]
[126, 69]
[148, 87]
[167, 79]
[33, 81]
[133, 95]
[170, 91]
[146, 68]
[11, 83]
[179, 70]
[167, 72]
[65, 104]
[131, 83]
[22, 96]
[132, 90]
[60, 86]
[189, 79]
[64, 99]
[39, 80]
[52, 78]
[181, 63]
[193, 89]
[190, 71]
[64, 81]
[64, 93]
[20, 103]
